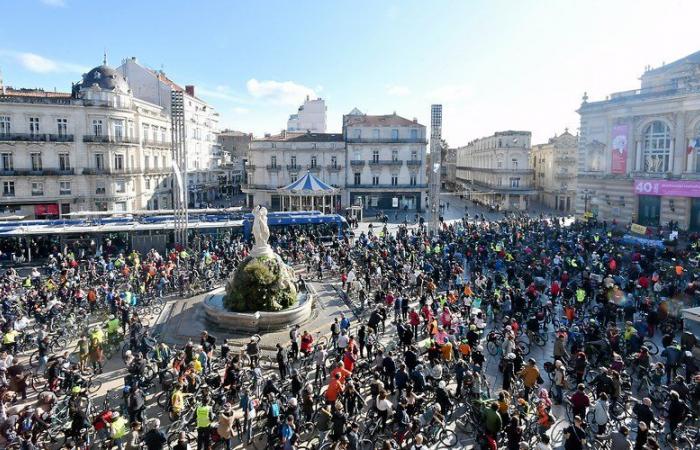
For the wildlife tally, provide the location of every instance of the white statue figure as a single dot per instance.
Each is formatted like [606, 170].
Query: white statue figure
[261, 232]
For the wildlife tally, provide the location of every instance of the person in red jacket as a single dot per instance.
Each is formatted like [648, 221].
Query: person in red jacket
[414, 321]
[349, 361]
[307, 342]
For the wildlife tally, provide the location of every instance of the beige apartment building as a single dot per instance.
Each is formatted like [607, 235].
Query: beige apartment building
[495, 170]
[554, 167]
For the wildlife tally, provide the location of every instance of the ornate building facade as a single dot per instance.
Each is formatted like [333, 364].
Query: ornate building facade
[639, 150]
[96, 148]
[495, 170]
[554, 167]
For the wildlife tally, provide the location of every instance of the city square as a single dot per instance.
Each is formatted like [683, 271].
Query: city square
[218, 243]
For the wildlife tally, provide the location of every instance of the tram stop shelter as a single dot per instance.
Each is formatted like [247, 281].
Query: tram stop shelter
[308, 193]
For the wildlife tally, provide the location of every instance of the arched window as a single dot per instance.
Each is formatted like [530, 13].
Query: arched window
[657, 147]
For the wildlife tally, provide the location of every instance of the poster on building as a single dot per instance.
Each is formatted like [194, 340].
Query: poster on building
[619, 149]
[668, 188]
[394, 202]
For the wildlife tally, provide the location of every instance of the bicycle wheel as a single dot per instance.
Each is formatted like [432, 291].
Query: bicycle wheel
[38, 383]
[265, 362]
[524, 347]
[34, 360]
[94, 386]
[448, 438]
[653, 348]
[163, 399]
[492, 348]
[365, 444]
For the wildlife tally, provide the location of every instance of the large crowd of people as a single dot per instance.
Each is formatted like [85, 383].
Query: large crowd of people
[516, 333]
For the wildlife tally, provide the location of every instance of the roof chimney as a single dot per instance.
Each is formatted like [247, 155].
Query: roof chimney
[189, 89]
[415, 120]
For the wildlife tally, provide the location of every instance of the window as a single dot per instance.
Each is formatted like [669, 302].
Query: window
[375, 180]
[293, 160]
[375, 156]
[64, 161]
[120, 186]
[356, 156]
[293, 177]
[313, 161]
[412, 181]
[36, 161]
[414, 134]
[64, 187]
[97, 127]
[147, 162]
[118, 162]
[334, 161]
[155, 133]
[100, 188]
[62, 126]
[394, 155]
[4, 125]
[515, 182]
[414, 155]
[394, 135]
[119, 130]
[375, 133]
[358, 133]
[144, 134]
[148, 183]
[37, 188]
[394, 180]
[99, 161]
[7, 163]
[33, 125]
[657, 147]
[8, 188]
[514, 164]
[162, 134]
[119, 206]
[156, 162]
[131, 129]
[357, 178]
[65, 208]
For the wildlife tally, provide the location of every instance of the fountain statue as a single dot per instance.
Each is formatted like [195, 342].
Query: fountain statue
[263, 281]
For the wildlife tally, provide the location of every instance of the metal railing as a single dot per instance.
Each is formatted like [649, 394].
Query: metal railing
[385, 162]
[388, 186]
[37, 172]
[331, 167]
[356, 162]
[273, 168]
[414, 162]
[24, 137]
[105, 139]
[152, 143]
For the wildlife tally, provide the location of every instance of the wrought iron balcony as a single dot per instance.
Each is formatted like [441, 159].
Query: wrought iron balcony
[61, 137]
[386, 162]
[293, 167]
[414, 162]
[152, 143]
[105, 139]
[357, 162]
[24, 137]
[369, 140]
[273, 167]
[311, 168]
[333, 168]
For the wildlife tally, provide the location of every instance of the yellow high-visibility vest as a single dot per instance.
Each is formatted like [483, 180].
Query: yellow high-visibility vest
[203, 420]
[119, 428]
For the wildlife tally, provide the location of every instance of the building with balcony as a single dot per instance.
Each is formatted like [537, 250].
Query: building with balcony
[639, 150]
[311, 117]
[204, 153]
[275, 161]
[384, 161]
[554, 166]
[96, 148]
[495, 170]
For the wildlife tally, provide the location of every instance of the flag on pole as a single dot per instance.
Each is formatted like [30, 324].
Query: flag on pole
[693, 144]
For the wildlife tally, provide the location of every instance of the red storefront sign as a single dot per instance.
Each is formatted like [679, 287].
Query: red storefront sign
[48, 209]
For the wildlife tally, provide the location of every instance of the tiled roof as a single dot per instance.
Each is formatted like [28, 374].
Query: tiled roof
[387, 120]
[693, 58]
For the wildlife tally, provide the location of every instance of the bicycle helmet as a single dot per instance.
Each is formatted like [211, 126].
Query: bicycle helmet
[75, 390]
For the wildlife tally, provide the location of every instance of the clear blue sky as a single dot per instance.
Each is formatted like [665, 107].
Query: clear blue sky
[494, 64]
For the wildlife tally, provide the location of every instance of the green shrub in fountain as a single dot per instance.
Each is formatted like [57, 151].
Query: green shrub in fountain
[261, 283]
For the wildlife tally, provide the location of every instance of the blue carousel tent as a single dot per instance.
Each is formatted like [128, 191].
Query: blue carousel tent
[308, 184]
[308, 193]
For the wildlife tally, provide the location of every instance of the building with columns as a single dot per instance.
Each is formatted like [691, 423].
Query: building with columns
[84, 150]
[495, 170]
[638, 152]
[275, 161]
[554, 167]
[384, 161]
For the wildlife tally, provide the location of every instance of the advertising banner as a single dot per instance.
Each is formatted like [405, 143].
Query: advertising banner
[619, 149]
[639, 229]
[668, 188]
